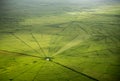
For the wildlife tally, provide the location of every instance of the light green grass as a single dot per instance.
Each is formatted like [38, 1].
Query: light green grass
[86, 41]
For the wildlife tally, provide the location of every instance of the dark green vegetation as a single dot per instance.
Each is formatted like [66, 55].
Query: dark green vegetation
[59, 40]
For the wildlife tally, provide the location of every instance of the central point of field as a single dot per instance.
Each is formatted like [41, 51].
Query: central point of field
[48, 58]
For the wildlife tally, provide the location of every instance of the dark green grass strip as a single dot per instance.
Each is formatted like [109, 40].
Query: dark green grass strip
[63, 72]
[38, 45]
[23, 42]
[20, 53]
[58, 72]
[83, 29]
[75, 71]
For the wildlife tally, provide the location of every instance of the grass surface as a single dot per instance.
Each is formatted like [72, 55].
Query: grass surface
[81, 42]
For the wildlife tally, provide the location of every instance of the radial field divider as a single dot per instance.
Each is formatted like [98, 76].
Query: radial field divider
[37, 73]
[62, 50]
[25, 71]
[38, 45]
[57, 40]
[24, 54]
[83, 74]
[24, 42]
[76, 36]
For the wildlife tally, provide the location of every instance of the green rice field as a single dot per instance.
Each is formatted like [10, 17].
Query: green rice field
[59, 40]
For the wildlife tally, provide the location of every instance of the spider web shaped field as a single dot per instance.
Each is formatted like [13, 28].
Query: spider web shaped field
[78, 50]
